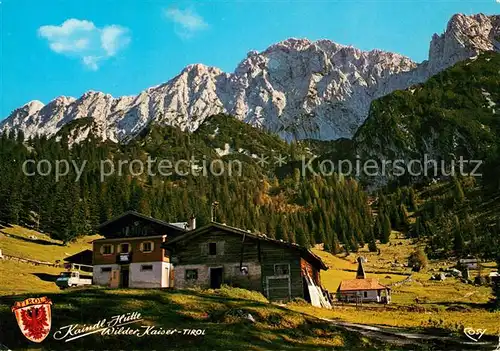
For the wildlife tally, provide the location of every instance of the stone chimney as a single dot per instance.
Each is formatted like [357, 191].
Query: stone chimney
[360, 274]
[191, 223]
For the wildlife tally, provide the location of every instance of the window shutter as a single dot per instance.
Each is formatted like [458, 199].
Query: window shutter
[220, 248]
[204, 249]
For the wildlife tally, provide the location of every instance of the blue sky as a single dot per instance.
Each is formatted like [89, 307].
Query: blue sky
[66, 47]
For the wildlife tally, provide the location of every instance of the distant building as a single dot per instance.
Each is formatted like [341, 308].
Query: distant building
[470, 263]
[80, 261]
[363, 289]
[83, 257]
[494, 275]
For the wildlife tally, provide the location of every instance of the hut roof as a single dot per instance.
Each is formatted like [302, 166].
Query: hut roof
[305, 253]
[361, 284]
[82, 257]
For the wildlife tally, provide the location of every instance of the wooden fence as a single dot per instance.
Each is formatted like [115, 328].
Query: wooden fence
[404, 281]
[28, 260]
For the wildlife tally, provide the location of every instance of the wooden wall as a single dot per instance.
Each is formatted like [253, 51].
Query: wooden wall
[231, 250]
[158, 253]
[273, 254]
[229, 253]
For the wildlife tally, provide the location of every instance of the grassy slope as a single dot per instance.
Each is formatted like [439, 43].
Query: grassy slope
[445, 304]
[21, 278]
[17, 277]
[16, 241]
[217, 312]
[437, 296]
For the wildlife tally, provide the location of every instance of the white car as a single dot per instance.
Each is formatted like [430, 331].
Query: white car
[71, 279]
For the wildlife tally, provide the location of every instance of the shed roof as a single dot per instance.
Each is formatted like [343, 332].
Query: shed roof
[361, 284]
[174, 227]
[83, 257]
[305, 253]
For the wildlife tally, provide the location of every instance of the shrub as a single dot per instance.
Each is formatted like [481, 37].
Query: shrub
[417, 259]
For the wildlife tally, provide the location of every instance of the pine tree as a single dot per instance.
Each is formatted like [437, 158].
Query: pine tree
[413, 200]
[386, 230]
[372, 245]
[458, 240]
[458, 191]
[418, 228]
[301, 238]
[377, 227]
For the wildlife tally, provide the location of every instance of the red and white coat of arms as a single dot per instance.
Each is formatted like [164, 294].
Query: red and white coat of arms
[34, 317]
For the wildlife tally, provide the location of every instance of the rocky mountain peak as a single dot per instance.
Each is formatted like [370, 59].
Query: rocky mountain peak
[33, 107]
[290, 44]
[199, 68]
[62, 100]
[465, 36]
[297, 88]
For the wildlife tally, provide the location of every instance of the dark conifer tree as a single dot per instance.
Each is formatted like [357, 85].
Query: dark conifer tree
[386, 230]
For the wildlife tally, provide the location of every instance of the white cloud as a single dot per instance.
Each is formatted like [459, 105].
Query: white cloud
[91, 62]
[111, 40]
[188, 21]
[83, 40]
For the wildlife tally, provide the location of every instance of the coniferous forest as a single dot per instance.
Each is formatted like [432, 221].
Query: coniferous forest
[303, 210]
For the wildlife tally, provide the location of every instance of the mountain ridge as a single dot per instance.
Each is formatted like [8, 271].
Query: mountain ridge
[297, 88]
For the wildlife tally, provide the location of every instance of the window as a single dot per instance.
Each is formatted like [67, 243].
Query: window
[191, 274]
[365, 294]
[107, 249]
[147, 246]
[146, 267]
[212, 249]
[105, 269]
[281, 269]
[124, 248]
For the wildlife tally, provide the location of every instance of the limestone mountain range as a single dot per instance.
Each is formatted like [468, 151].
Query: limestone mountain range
[297, 88]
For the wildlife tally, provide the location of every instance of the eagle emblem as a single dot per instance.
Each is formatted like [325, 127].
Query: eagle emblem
[34, 317]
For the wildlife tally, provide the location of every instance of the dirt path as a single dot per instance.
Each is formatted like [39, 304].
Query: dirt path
[403, 337]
